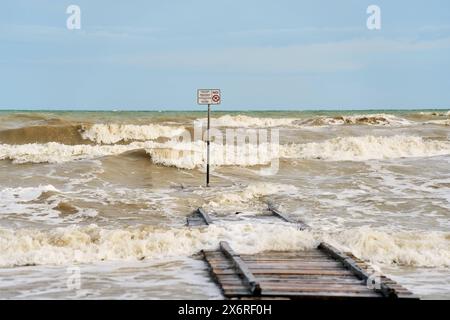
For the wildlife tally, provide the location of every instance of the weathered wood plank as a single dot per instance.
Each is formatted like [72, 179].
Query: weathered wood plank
[286, 255]
[304, 289]
[278, 213]
[348, 262]
[205, 216]
[232, 293]
[199, 218]
[275, 266]
[239, 264]
[291, 272]
[301, 278]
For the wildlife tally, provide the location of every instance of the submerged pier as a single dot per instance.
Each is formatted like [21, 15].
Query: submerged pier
[320, 273]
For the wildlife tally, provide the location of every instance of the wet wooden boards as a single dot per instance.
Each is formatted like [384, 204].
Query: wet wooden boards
[322, 273]
[199, 218]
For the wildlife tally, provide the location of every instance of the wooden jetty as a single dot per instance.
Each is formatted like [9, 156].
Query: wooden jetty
[320, 273]
[198, 218]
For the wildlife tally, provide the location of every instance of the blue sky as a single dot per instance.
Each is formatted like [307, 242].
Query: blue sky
[153, 55]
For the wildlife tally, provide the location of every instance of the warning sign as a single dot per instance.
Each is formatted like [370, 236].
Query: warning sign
[208, 96]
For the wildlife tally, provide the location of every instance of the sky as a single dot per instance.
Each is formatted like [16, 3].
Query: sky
[262, 54]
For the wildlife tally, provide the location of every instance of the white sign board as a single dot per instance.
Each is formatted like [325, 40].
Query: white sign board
[208, 96]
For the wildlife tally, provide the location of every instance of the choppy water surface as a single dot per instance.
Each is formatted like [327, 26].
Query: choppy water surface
[109, 192]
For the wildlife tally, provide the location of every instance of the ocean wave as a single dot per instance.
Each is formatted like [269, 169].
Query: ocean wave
[89, 244]
[113, 133]
[406, 248]
[367, 119]
[243, 121]
[54, 152]
[190, 155]
[366, 148]
[75, 244]
[65, 134]
[443, 122]
[436, 113]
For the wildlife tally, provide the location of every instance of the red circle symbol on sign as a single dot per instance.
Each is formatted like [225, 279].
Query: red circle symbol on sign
[216, 98]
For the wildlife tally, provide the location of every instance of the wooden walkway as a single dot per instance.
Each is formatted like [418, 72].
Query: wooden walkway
[321, 273]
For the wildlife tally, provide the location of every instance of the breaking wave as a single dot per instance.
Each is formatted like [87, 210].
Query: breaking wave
[88, 244]
[367, 148]
[444, 122]
[370, 119]
[73, 134]
[66, 134]
[113, 133]
[92, 243]
[189, 155]
[407, 248]
[337, 149]
[436, 113]
[243, 121]
[54, 152]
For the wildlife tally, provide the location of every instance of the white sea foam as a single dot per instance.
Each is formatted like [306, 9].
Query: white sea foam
[409, 248]
[436, 113]
[25, 202]
[189, 155]
[381, 119]
[23, 194]
[192, 155]
[250, 193]
[243, 121]
[113, 133]
[76, 244]
[366, 148]
[363, 148]
[54, 152]
[444, 122]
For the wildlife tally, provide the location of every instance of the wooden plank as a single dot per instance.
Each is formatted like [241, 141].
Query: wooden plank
[303, 289]
[300, 279]
[205, 216]
[302, 283]
[236, 293]
[348, 262]
[199, 218]
[290, 272]
[239, 264]
[305, 260]
[286, 254]
[279, 266]
[278, 213]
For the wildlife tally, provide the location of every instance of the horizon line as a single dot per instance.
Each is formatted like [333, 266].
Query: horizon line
[231, 110]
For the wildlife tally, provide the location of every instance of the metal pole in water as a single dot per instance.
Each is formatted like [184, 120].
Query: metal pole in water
[207, 147]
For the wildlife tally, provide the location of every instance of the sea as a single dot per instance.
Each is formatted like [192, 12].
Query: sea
[93, 204]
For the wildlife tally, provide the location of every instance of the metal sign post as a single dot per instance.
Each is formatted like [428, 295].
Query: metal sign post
[207, 145]
[208, 97]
